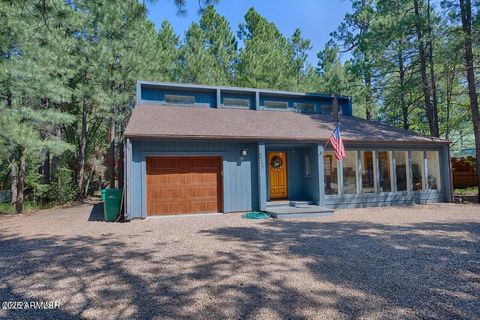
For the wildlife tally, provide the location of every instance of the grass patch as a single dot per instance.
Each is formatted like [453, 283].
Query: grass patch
[7, 208]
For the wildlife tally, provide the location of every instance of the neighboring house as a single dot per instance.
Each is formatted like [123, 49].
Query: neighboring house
[195, 148]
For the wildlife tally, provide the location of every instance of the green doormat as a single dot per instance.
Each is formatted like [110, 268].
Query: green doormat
[255, 215]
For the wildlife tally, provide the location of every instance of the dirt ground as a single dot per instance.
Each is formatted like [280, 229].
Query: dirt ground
[376, 263]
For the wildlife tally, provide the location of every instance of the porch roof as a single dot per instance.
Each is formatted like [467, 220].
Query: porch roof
[182, 122]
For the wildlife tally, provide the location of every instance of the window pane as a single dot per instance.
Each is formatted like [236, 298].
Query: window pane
[330, 173]
[350, 172]
[401, 170]
[368, 175]
[305, 107]
[325, 109]
[231, 102]
[433, 167]
[176, 99]
[417, 170]
[276, 104]
[385, 183]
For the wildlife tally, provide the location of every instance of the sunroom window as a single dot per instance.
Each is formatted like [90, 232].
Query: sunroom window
[417, 170]
[384, 160]
[368, 172]
[433, 168]
[330, 168]
[350, 172]
[401, 161]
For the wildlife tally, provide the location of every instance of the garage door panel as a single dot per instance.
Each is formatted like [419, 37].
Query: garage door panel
[204, 177]
[169, 208]
[177, 185]
[202, 193]
[203, 206]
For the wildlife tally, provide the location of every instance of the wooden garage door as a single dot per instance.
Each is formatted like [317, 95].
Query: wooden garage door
[177, 185]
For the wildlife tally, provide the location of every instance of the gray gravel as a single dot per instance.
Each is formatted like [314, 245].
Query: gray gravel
[396, 263]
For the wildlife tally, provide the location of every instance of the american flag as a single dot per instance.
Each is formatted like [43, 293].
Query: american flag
[337, 144]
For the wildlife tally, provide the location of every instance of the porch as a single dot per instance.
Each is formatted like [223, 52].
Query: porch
[294, 177]
[297, 209]
[290, 177]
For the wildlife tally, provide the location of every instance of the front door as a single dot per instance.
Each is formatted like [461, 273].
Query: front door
[277, 171]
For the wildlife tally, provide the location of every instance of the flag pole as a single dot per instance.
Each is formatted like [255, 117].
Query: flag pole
[336, 110]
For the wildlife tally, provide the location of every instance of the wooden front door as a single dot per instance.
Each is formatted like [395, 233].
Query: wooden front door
[277, 172]
[177, 185]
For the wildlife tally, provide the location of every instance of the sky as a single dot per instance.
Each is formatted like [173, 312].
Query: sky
[315, 18]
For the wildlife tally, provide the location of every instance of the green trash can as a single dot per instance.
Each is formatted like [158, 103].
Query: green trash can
[112, 199]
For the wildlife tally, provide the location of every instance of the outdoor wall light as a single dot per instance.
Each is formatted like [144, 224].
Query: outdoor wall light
[244, 152]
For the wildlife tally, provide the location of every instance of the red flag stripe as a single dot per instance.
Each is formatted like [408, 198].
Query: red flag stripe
[337, 144]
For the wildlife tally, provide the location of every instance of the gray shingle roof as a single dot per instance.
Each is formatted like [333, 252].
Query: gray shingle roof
[163, 121]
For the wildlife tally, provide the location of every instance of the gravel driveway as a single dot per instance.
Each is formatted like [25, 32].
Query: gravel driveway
[403, 262]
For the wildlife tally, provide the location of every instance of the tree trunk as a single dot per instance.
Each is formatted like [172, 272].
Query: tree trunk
[112, 133]
[13, 179]
[403, 101]
[55, 162]
[46, 169]
[12, 162]
[21, 180]
[466, 12]
[121, 162]
[112, 153]
[83, 151]
[449, 83]
[368, 96]
[423, 68]
[433, 80]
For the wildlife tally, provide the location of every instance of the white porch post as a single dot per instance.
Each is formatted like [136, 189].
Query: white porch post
[320, 174]
[262, 177]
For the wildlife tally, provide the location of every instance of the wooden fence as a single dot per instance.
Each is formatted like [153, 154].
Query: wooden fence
[463, 171]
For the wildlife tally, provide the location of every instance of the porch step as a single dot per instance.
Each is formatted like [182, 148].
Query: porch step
[290, 203]
[301, 211]
[301, 203]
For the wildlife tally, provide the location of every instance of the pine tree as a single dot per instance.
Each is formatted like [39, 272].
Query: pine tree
[160, 53]
[33, 83]
[221, 44]
[301, 47]
[354, 36]
[464, 14]
[267, 60]
[197, 64]
[332, 72]
[430, 108]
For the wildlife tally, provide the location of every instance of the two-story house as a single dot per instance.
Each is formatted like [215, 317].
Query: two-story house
[197, 148]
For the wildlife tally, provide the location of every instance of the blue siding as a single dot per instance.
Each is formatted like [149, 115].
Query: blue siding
[208, 95]
[312, 191]
[240, 183]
